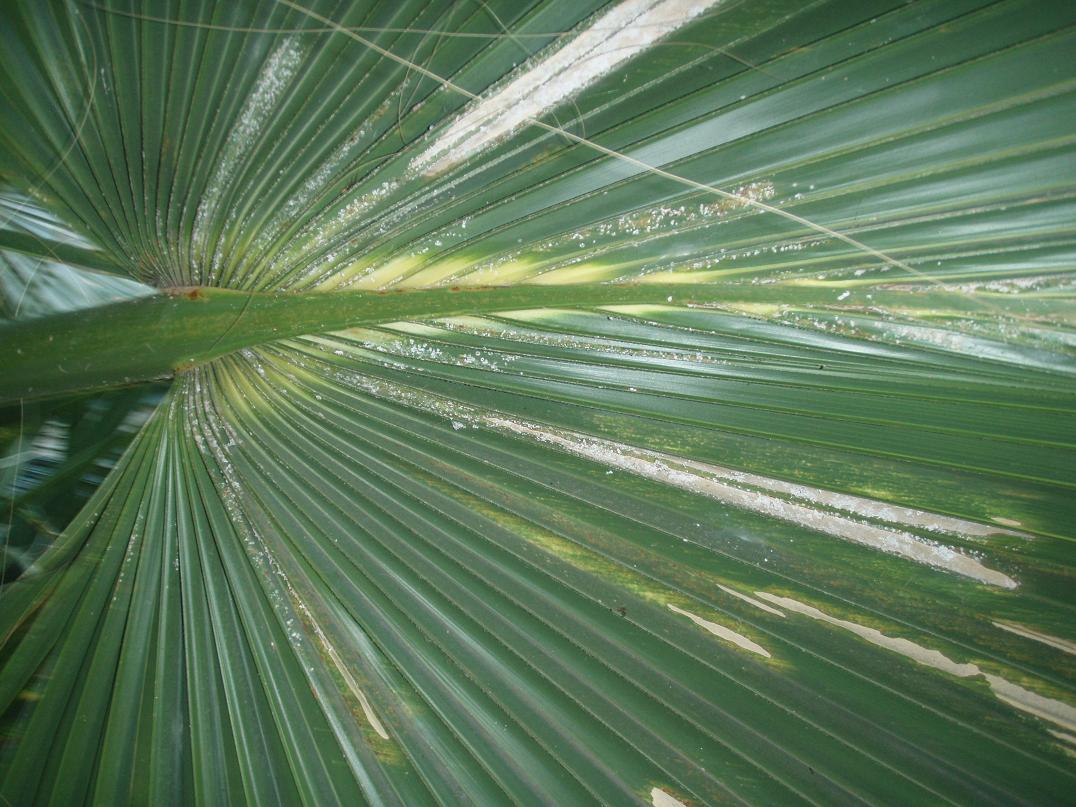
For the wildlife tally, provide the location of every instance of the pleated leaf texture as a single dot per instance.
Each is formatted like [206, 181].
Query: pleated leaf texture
[663, 402]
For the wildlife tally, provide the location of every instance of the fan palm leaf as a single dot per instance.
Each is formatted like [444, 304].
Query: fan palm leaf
[638, 402]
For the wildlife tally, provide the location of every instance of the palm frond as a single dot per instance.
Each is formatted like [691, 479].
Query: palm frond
[583, 402]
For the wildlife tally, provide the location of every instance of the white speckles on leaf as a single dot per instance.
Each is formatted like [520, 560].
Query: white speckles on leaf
[711, 481]
[278, 71]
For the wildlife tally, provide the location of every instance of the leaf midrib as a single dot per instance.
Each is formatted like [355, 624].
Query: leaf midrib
[180, 328]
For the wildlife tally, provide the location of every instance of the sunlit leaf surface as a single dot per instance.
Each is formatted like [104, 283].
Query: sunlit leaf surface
[793, 525]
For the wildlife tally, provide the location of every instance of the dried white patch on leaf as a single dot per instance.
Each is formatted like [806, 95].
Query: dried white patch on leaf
[659, 798]
[1012, 694]
[707, 480]
[761, 605]
[722, 632]
[622, 32]
[1068, 742]
[1028, 633]
[1007, 522]
[1031, 702]
[906, 647]
[367, 709]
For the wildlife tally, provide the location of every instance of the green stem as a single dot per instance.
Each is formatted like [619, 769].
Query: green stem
[153, 337]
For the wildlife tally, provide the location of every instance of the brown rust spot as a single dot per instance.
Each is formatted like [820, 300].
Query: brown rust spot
[186, 292]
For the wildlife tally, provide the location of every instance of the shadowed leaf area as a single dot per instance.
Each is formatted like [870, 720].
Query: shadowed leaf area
[636, 402]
